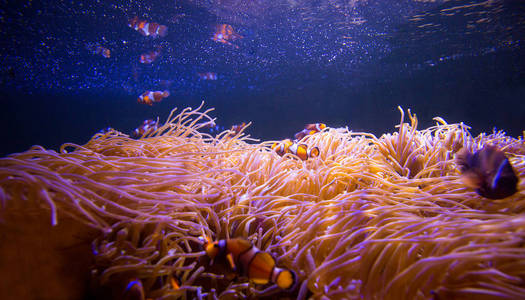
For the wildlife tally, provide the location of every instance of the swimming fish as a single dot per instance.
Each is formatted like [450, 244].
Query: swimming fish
[310, 129]
[147, 127]
[235, 129]
[207, 76]
[99, 50]
[150, 97]
[216, 129]
[488, 171]
[134, 290]
[175, 283]
[103, 51]
[176, 18]
[148, 29]
[149, 57]
[224, 33]
[105, 130]
[301, 150]
[247, 260]
[211, 127]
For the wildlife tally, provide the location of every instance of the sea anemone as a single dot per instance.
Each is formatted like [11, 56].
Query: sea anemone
[370, 218]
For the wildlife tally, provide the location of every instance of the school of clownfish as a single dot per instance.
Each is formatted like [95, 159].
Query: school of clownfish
[487, 171]
[224, 33]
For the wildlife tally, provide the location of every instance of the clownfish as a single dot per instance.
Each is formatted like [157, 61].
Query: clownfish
[134, 290]
[247, 260]
[147, 127]
[149, 97]
[488, 171]
[216, 129]
[148, 58]
[105, 130]
[224, 33]
[175, 283]
[105, 52]
[207, 76]
[310, 129]
[99, 50]
[235, 129]
[176, 18]
[148, 29]
[301, 150]
[212, 127]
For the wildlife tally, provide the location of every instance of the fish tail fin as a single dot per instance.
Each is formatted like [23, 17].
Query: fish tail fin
[163, 30]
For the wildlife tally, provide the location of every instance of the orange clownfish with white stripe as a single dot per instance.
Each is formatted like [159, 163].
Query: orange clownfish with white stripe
[301, 150]
[148, 29]
[150, 97]
[147, 127]
[310, 129]
[235, 129]
[102, 51]
[247, 260]
[149, 57]
[134, 290]
[224, 33]
[98, 49]
[207, 76]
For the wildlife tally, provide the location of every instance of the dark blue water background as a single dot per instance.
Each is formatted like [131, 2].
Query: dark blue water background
[345, 63]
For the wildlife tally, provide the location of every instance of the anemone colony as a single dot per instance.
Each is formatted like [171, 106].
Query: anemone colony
[370, 218]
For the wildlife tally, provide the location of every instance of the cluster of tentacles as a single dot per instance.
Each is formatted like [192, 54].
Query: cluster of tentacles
[372, 217]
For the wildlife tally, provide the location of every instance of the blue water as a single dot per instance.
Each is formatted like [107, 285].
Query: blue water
[344, 63]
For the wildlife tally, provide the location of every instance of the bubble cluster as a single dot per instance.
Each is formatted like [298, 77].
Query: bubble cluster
[49, 46]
